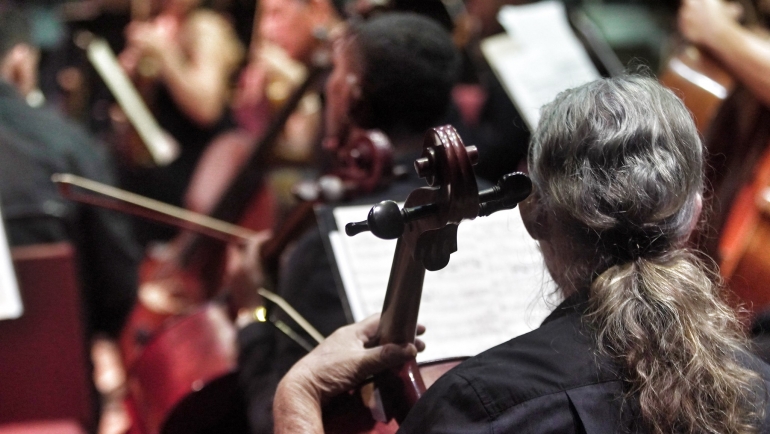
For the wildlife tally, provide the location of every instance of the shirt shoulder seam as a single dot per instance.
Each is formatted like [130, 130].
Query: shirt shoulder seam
[492, 416]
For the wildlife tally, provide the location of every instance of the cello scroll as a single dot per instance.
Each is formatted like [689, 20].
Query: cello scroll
[426, 229]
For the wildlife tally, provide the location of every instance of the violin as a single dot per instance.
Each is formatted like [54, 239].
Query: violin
[426, 230]
[363, 164]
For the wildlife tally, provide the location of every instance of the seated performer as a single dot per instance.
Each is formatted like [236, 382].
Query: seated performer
[395, 74]
[713, 24]
[642, 341]
[185, 56]
[290, 37]
[36, 143]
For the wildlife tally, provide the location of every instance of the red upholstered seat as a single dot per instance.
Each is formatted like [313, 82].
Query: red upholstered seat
[43, 356]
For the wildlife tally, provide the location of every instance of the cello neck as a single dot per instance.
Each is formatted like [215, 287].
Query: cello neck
[401, 388]
[426, 230]
[401, 307]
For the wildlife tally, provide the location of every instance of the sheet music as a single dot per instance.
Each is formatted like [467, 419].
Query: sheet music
[494, 288]
[10, 299]
[538, 57]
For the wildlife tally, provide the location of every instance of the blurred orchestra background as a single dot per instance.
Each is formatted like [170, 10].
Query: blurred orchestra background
[217, 107]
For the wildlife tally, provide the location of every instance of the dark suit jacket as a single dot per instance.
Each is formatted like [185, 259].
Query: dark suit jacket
[34, 144]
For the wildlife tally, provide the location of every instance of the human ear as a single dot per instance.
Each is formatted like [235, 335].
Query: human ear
[20, 68]
[696, 214]
[533, 216]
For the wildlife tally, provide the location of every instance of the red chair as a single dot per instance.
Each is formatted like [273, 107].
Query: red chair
[44, 367]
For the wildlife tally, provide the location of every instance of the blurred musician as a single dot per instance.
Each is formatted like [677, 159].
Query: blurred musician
[185, 55]
[289, 38]
[393, 73]
[745, 54]
[642, 342]
[36, 143]
[486, 116]
[713, 25]
[739, 135]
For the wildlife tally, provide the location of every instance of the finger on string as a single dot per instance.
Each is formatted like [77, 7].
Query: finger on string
[387, 356]
[420, 345]
[734, 10]
[420, 329]
[367, 329]
[255, 240]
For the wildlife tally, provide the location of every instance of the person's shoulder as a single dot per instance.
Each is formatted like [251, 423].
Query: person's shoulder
[527, 383]
[762, 369]
[46, 127]
[558, 356]
[209, 24]
[207, 17]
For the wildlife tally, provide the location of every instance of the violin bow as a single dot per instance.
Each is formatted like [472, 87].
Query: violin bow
[108, 197]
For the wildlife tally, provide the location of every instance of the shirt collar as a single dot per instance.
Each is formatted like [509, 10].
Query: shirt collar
[575, 303]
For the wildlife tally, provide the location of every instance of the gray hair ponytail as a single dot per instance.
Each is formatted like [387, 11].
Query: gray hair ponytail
[620, 163]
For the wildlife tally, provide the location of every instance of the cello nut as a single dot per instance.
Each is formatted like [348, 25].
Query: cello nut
[423, 167]
[473, 154]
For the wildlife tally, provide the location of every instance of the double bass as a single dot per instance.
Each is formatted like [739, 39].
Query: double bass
[426, 229]
[736, 131]
[185, 372]
[190, 271]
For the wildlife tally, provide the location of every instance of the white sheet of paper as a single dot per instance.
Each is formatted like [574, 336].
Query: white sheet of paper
[10, 299]
[494, 288]
[538, 56]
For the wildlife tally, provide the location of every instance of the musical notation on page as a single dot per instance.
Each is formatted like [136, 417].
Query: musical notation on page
[10, 299]
[494, 288]
[538, 56]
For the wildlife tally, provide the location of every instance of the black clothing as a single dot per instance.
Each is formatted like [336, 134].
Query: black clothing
[551, 380]
[168, 184]
[501, 134]
[307, 282]
[34, 144]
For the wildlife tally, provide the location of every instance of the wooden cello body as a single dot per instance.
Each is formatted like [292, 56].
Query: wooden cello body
[743, 247]
[426, 229]
[700, 81]
[185, 380]
[736, 131]
[188, 273]
[182, 377]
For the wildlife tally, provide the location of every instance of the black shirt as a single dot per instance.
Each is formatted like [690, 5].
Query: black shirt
[34, 144]
[307, 282]
[551, 380]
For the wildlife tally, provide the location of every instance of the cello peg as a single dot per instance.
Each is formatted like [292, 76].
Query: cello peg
[386, 220]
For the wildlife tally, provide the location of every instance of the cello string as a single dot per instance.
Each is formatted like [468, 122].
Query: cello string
[285, 329]
[296, 316]
[219, 228]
